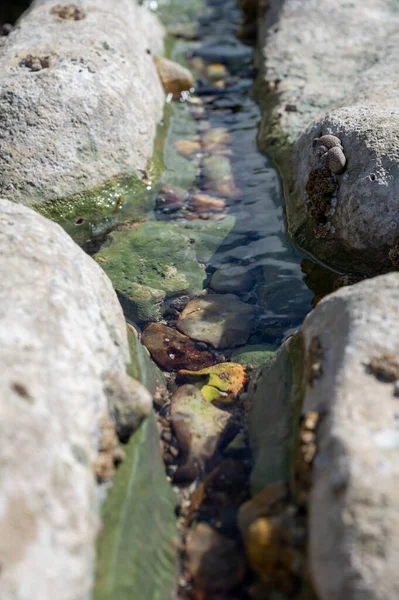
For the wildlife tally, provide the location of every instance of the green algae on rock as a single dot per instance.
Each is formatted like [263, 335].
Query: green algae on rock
[149, 263]
[276, 396]
[89, 215]
[256, 355]
[141, 367]
[137, 549]
[153, 261]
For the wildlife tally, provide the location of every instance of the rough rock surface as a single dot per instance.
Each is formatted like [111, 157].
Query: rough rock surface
[150, 262]
[344, 63]
[343, 368]
[79, 100]
[172, 350]
[220, 320]
[202, 430]
[63, 351]
[354, 503]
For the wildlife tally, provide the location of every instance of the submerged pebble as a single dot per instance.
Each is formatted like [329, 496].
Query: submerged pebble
[217, 71]
[187, 148]
[215, 562]
[174, 78]
[201, 429]
[232, 279]
[218, 176]
[203, 202]
[222, 321]
[273, 539]
[172, 350]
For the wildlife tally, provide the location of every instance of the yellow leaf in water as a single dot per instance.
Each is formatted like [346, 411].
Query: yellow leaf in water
[219, 383]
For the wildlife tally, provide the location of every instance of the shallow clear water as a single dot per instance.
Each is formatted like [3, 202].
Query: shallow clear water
[259, 241]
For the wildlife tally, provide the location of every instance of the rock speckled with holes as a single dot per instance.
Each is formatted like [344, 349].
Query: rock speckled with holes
[354, 499]
[342, 368]
[63, 352]
[79, 99]
[340, 73]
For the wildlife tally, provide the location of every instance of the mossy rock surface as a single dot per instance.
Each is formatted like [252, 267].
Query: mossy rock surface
[137, 549]
[157, 260]
[141, 367]
[276, 394]
[89, 215]
[256, 355]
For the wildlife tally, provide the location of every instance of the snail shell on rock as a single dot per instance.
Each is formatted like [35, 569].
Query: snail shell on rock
[328, 141]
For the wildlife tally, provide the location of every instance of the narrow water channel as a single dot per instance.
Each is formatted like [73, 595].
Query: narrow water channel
[212, 285]
[211, 137]
[258, 243]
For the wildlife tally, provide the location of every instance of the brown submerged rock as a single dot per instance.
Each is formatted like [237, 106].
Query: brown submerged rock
[218, 176]
[203, 202]
[214, 562]
[215, 139]
[232, 279]
[173, 351]
[222, 491]
[187, 148]
[174, 78]
[221, 320]
[272, 538]
[201, 429]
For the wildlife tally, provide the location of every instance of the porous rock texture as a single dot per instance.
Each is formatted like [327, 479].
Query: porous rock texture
[343, 366]
[331, 68]
[63, 356]
[354, 502]
[79, 97]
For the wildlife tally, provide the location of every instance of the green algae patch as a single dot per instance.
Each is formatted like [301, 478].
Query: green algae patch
[152, 261]
[90, 215]
[149, 263]
[256, 355]
[141, 367]
[180, 11]
[277, 396]
[137, 549]
[209, 235]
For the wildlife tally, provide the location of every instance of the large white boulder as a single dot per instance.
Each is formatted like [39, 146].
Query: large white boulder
[63, 356]
[350, 382]
[80, 97]
[331, 68]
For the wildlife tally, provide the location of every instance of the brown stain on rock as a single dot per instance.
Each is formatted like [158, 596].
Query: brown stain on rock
[305, 456]
[314, 361]
[385, 367]
[69, 12]
[108, 452]
[18, 529]
[320, 188]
